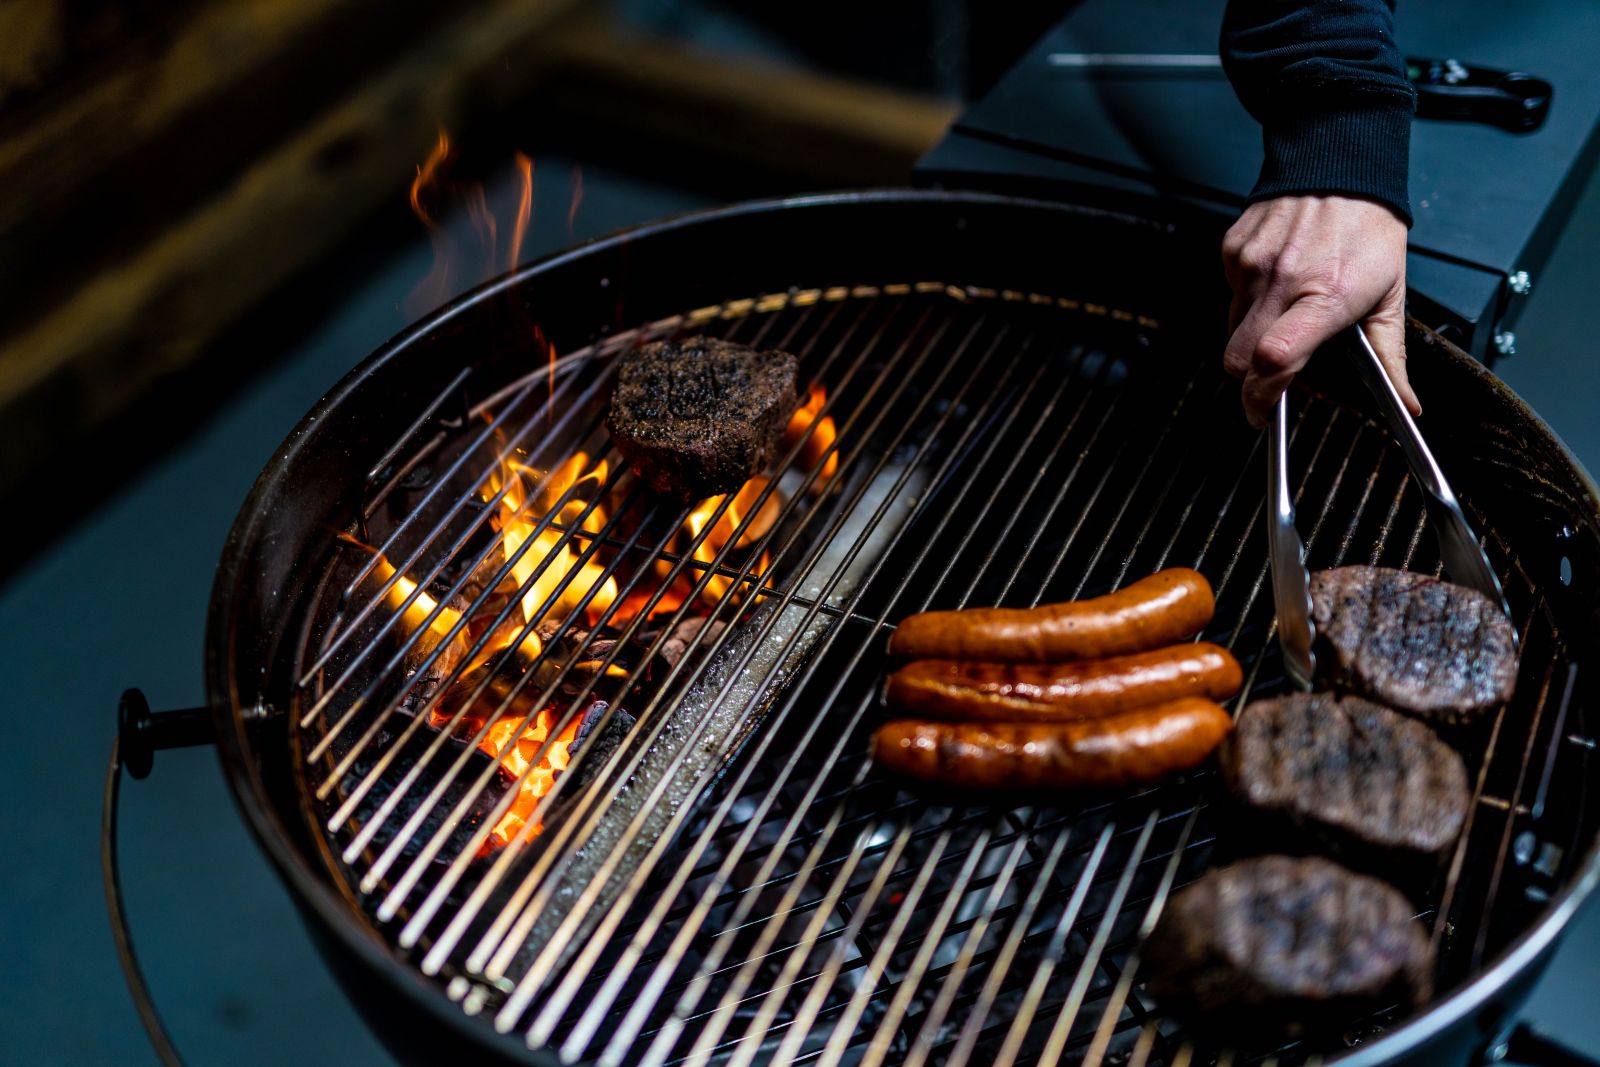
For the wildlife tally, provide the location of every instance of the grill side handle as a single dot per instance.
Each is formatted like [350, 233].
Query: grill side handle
[140, 732]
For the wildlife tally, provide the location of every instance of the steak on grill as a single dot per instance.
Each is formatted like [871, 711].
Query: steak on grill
[1374, 786]
[1292, 943]
[699, 416]
[1440, 650]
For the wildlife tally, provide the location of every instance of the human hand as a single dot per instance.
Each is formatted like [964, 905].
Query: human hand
[1303, 268]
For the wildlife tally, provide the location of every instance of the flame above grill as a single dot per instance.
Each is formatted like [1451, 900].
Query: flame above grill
[547, 521]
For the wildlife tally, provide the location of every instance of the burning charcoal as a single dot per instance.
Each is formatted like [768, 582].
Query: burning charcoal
[598, 743]
[433, 675]
[595, 648]
[433, 772]
[503, 674]
[676, 643]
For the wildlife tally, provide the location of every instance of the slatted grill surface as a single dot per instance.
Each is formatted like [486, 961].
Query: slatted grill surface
[758, 893]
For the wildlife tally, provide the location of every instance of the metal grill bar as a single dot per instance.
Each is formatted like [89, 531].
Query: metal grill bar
[820, 991]
[635, 1016]
[973, 527]
[414, 928]
[594, 805]
[525, 988]
[436, 954]
[813, 914]
[600, 1002]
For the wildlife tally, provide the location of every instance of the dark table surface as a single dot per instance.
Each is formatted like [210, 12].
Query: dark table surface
[121, 601]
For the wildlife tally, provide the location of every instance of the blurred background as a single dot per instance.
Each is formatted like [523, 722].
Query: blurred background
[189, 184]
[210, 210]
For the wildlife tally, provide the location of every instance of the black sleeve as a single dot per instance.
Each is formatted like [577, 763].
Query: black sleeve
[1327, 83]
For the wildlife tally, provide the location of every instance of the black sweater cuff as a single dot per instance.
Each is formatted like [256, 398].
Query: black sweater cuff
[1359, 150]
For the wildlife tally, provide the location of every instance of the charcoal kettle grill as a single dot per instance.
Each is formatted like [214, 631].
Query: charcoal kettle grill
[1027, 405]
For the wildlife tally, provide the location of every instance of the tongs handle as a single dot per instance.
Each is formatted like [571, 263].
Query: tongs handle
[1459, 550]
[1291, 582]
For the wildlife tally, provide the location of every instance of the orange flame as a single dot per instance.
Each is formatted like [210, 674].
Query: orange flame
[524, 210]
[428, 177]
[425, 187]
[516, 757]
[821, 439]
[518, 518]
[740, 524]
[577, 198]
[554, 557]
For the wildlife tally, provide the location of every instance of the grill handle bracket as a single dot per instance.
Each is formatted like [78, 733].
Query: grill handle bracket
[142, 732]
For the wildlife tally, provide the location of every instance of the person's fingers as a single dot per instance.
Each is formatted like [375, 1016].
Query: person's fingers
[1283, 348]
[1240, 353]
[1237, 311]
[1260, 391]
[1234, 243]
[1386, 329]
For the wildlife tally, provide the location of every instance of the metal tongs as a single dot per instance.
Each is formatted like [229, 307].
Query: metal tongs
[1459, 549]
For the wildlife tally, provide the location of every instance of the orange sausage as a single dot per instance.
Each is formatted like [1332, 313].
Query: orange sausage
[956, 691]
[1165, 607]
[1137, 746]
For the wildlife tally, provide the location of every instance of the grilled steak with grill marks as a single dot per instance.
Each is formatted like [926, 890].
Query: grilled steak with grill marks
[699, 416]
[1443, 651]
[1376, 787]
[1287, 942]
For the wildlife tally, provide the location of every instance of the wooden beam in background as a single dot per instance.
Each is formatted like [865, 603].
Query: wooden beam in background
[821, 128]
[157, 310]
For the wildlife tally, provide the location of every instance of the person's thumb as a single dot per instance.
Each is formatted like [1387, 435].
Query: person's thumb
[1386, 329]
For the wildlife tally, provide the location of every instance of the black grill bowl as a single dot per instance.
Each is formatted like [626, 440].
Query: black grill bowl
[1134, 276]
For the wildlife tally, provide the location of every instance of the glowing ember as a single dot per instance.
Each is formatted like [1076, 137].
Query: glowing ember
[516, 757]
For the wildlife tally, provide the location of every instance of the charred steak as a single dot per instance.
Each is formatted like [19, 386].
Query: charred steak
[1375, 786]
[1299, 942]
[1443, 651]
[699, 416]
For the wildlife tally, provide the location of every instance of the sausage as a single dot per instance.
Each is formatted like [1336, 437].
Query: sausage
[956, 691]
[1143, 745]
[1165, 607]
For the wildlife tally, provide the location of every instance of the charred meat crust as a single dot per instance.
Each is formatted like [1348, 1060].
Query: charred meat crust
[1439, 650]
[1298, 943]
[700, 416]
[1379, 789]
